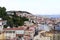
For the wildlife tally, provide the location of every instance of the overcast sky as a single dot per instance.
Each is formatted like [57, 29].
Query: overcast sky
[42, 7]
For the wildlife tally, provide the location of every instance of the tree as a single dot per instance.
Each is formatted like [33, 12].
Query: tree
[25, 19]
[3, 12]
[15, 21]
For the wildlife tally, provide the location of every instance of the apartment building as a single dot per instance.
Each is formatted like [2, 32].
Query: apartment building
[48, 35]
[41, 36]
[2, 23]
[11, 33]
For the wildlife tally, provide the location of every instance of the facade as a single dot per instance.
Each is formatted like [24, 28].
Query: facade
[2, 23]
[10, 12]
[29, 33]
[51, 35]
[28, 23]
[13, 32]
[2, 36]
[41, 36]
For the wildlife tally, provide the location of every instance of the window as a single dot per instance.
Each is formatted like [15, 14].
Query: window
[13, 31]
[10, 31]
[19, 31]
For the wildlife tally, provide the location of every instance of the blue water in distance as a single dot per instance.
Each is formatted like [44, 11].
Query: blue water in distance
[51, 16]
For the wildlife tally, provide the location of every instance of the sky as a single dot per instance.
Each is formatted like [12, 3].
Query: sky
[36, 7]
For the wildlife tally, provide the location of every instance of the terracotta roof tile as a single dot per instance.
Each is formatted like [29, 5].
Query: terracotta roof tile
[22, 28]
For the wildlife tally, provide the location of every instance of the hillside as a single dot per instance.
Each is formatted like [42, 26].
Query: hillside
[12, 20]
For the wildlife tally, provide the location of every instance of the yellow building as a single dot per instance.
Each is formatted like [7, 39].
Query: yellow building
[50, 35]
[41, 36]
[54, 35]
[2, 36]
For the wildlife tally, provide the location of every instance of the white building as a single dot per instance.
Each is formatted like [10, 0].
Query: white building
[44, 27]
[13, 32]
[2, 23]
[28, 23]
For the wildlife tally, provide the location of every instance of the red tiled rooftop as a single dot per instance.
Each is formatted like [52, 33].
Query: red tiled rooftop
[19, 34]
[21, 28]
